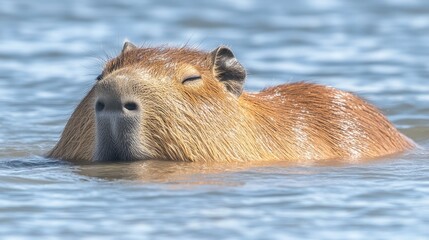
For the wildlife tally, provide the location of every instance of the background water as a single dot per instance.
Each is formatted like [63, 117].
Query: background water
[50, 53]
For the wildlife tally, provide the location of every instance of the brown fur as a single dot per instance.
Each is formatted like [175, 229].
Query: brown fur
[204, 122]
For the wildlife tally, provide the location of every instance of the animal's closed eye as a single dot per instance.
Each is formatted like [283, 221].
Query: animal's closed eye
[189, 79]
[99, 77]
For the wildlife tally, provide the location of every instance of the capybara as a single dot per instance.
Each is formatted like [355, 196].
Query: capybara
[182, 104]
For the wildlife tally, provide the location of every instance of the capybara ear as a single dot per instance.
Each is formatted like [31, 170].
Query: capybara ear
[128, 47]
[228, 70]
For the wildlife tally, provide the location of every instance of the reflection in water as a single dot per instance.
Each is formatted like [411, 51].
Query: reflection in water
[166, 171]
[159, 171]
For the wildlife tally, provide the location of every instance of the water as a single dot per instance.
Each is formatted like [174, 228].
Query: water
[51, 51]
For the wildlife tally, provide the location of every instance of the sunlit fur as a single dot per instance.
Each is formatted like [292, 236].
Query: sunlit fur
[203, 122]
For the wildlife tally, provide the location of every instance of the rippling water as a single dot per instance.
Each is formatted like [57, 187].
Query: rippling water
[51, 51]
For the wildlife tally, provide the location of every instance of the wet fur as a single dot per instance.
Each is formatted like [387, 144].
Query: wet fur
[212, 123]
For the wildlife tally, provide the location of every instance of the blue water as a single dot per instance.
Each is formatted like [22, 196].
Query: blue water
[51, 52]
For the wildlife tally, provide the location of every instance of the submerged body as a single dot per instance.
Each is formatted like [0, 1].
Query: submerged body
[182, 104]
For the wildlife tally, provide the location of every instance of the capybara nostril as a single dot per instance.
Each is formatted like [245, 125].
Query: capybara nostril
[99, 106]
[131, 106]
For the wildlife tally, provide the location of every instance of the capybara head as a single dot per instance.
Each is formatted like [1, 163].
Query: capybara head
[148, 101]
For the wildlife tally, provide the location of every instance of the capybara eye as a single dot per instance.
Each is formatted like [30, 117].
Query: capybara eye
[99, 77]
[190, 79]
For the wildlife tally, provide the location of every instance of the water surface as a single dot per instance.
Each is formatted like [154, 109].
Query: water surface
[51, 52]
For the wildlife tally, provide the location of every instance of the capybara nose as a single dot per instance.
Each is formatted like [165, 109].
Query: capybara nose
[117, 127]
[113, 105]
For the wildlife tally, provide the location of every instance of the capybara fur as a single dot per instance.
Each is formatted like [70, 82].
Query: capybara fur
[182, 104]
